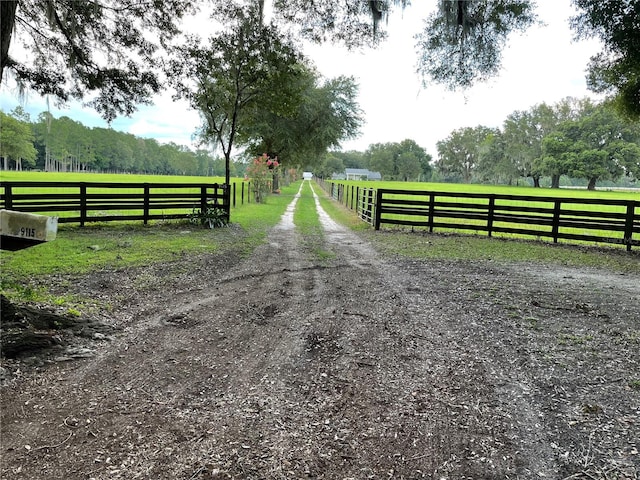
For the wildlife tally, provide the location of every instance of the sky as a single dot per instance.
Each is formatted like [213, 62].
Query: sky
[543, 64]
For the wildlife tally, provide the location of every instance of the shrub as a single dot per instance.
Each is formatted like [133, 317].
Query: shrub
[263, 171]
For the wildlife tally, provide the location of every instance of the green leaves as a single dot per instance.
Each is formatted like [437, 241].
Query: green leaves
[405, 160]
[16, 140]
[101, 47]
[462, 42]
[459, 154]
[247, 68]
[616, 69]
[596, 145]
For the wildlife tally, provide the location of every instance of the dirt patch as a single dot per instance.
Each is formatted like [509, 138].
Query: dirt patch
[284, 365]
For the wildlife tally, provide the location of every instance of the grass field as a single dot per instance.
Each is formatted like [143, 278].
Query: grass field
[27, 176]
[437, 187]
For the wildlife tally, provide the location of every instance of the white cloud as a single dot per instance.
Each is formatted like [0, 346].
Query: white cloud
[167, 121]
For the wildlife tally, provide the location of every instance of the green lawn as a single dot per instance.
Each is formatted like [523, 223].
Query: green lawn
[28, 176]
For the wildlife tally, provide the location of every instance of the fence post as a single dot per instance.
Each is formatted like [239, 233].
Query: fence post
[628, 224]
[8, 197]
[555, 226]
[378, 207]
[492, 204]
[203, 197]
[234, 194]
[432, 208]
[83, 203]
[147, 203]
[226, 202]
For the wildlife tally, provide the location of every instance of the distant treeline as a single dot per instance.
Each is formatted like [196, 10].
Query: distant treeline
[65, 145]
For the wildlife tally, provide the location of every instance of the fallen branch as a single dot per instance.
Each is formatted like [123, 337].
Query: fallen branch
[44, 447]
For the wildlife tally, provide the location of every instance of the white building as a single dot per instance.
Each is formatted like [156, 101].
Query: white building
[361, 174]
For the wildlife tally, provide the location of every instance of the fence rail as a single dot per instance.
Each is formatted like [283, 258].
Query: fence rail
[552, 218]
[82, 202]
[360, 199]
[591, 220]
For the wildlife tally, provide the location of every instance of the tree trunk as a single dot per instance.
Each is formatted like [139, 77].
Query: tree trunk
[536, 181]
[26, 329]
[592, 183]
[7, 22]
[555, 181]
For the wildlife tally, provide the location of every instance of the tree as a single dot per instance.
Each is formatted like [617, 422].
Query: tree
[329, 164]
[404, 160]
[608, 146]
[247, 68]
[559, 150]
[351, 159]
[615, 70]
[409, 167]
[381, 158]
[599, 145]
[462, 41]
[62, 144]
[112, 48]
[16, 141]
[523, 132]
[461, 44]
[459, 153]
[106, 48]
[67, 144]
[410, 153]
[327, 114]
[353, 24]
[493, 164]
[628, 155]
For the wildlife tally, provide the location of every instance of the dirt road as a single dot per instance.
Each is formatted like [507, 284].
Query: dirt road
[349, 366]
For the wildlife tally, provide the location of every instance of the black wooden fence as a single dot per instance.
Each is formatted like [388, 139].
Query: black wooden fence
[82, 202]
[550, 218]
